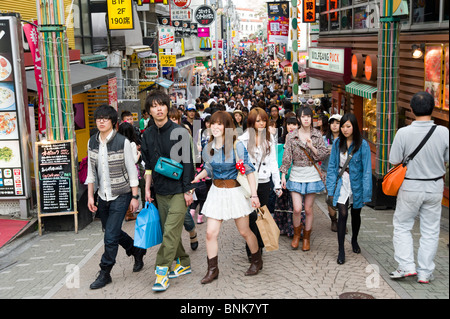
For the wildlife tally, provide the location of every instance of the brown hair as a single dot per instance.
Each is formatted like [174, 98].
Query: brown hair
[222, 117]
[251, 121]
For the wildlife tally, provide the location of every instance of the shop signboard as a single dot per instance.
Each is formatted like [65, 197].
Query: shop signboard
[327, 59]
[168, 60]
[14, 165]
[205, 15]
[55, 179]
[166, 37]
[120, 14]
[309, 11]
[181, 14]
[182, 3]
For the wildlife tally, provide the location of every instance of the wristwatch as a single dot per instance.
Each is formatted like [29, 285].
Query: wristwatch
[135, 196]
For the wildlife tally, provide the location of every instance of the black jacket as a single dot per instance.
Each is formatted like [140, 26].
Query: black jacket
[156, 142]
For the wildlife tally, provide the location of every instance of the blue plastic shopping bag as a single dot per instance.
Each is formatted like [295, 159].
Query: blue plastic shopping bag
[147, 230]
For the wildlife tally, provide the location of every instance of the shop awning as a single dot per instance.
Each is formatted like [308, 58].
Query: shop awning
[364, 90]
[285, 63]
[83, 78]
[164, 82]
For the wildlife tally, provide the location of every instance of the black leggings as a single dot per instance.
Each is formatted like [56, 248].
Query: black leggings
[342, 223]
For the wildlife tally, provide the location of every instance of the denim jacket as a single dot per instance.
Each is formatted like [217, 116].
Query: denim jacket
[360, 171]
[219, 166]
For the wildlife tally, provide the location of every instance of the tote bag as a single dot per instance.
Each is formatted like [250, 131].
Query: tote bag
[147, 229]
[270, 233]
[242, 179]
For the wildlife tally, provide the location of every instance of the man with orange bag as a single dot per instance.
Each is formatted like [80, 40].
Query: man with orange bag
[421, 191]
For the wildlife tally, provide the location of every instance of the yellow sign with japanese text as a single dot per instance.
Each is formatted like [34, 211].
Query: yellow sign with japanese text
[168, 60]
[120, 14]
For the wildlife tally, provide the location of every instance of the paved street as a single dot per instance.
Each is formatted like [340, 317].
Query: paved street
[61, 265]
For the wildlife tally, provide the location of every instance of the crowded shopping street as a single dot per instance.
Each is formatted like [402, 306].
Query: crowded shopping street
[206, 138]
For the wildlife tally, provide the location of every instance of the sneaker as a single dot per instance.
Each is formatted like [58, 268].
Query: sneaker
[179, 270]
[162, 280]
[424, 279]
[399, 273]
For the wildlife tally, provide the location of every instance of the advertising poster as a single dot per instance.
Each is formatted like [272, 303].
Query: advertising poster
[433, 72]
[11, 161]
[278, 22]
[446, 80]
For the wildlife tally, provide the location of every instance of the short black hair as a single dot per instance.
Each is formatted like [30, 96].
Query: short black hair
[125, 114]
[158, 97]
[106, 111]
[422, 104]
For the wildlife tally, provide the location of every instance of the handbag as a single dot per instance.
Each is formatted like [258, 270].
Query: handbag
[268, 229]
[329, 199]
[395, 176]
[169, 168]
[147, 229]
[243, 180]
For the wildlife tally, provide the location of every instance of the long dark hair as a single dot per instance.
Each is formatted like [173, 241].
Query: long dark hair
[127, 130]
[357, 139]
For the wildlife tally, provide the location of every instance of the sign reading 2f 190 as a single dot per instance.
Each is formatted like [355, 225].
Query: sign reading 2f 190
[205, 15]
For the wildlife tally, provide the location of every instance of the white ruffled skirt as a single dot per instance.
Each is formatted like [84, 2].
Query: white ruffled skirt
[226, 203]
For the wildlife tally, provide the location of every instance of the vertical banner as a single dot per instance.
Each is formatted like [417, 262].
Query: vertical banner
[278, 22]
[112, 92]
[32, 36]
[309, 11]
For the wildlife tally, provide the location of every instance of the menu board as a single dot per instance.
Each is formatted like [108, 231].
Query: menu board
[11, 162]
[55, 179]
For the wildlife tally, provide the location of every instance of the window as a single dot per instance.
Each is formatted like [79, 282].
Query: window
[82, 26]
[363, 15]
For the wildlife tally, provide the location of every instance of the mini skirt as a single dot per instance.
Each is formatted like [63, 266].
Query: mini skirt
[305, 188]
[226, 203]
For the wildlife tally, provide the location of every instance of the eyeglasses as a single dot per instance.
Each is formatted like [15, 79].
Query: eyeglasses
[100, 120]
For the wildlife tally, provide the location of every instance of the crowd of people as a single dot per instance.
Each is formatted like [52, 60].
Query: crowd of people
[242, 123]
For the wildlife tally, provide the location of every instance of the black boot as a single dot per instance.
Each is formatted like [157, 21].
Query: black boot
[103, 278]
[138, 258]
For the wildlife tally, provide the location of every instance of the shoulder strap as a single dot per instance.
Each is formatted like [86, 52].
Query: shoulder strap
[425, 139]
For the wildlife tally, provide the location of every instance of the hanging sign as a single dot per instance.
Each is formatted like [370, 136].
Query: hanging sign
[309, 11]
[120, 14]
[168, 60]
[182, 3]
[166, 37]
[205, 15]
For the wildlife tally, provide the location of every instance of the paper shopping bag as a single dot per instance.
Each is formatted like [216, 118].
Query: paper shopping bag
[147, 229]
[270, 233]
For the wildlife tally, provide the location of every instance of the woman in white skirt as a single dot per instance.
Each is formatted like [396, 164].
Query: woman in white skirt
[226, 199]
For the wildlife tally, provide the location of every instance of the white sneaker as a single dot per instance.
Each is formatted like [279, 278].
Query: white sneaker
[399, 273]
[425, 279]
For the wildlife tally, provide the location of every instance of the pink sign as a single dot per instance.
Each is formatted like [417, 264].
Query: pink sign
[112, 92]
[32, 35]
[203, 32]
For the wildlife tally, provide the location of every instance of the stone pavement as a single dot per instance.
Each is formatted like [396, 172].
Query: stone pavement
[61, 265]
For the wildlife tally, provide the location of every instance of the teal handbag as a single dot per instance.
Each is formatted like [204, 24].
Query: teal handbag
[169, 168]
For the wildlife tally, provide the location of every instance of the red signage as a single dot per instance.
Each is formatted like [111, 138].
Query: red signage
[182, 3]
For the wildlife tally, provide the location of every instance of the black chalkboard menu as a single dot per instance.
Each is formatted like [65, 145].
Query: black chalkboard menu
[55, 179]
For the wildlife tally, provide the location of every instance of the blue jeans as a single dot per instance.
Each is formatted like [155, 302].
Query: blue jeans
[112, 214]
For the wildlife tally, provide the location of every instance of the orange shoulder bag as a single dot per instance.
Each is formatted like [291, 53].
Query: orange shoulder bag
[395, 176]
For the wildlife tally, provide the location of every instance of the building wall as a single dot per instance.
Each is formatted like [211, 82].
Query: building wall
[28, 11]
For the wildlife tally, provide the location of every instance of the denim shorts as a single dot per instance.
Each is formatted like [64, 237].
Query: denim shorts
[305, 188]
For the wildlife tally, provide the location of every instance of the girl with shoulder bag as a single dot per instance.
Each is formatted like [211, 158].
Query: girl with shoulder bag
[303, 146]
[354, 188]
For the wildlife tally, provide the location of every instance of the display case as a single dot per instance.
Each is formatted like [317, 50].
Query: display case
[370, 120]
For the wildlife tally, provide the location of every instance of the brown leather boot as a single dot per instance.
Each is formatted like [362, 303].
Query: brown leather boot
[306, 241]
[333, 222]
[296, 239]
[256, 265]
[213, 271]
